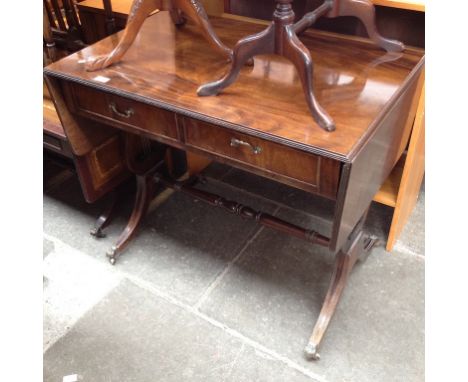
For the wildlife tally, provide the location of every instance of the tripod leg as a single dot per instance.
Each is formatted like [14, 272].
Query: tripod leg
[248, 47]
[196, 12]
[296, 51]
[138, 14]
[365, 11]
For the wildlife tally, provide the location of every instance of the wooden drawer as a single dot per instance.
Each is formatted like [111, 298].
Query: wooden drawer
[123, 112]
[313, 172]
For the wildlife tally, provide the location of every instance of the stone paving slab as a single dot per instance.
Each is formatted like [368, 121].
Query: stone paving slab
[73, 282]
[182, 246]
[271, 295]
[185, 244]
[135, 336]
[275, 291]
[47, 247]
[68, 217]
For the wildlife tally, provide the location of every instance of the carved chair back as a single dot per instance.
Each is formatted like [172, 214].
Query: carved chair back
[50, 49]
[64, 20]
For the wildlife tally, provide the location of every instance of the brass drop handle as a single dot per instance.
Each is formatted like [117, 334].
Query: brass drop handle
[237, 142]
[126, 114]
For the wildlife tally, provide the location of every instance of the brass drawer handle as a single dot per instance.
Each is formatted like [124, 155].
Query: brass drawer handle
[237, 142]
[126, 114]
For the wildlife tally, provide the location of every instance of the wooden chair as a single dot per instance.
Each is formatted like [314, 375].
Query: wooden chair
[54, 138]
[66, 26]
[95, 19]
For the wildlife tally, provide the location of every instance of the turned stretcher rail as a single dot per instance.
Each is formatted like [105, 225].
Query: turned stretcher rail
[245, 212]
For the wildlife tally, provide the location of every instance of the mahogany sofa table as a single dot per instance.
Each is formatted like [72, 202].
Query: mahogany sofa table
[260, 124]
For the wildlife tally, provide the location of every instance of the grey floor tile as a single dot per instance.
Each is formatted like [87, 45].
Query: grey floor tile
[73, 283]
[181, 247]
[47, 247]
[274, 294]
[69, 218]
[185, 244]
[134, 336]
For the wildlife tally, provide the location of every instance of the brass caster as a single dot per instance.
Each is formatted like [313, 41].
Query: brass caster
[311, 353]
[112, 255]
[97, 233]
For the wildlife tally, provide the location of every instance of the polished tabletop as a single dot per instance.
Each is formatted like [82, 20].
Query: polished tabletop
[356, 82]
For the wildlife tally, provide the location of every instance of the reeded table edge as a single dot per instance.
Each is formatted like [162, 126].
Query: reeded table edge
[385, 110]
[248, 130]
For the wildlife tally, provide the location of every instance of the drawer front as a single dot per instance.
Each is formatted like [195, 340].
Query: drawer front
[121, 111]
[320, 174]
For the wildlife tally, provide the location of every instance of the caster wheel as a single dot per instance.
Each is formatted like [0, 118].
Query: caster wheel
[97, 233]
[112, 255]
[311, 353]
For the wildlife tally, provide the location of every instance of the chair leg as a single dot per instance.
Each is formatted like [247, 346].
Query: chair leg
[364, 10]
[344, 262]
[196, 12]
[138, 14]
[296, 51]
[245, 49]
[144, 193]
